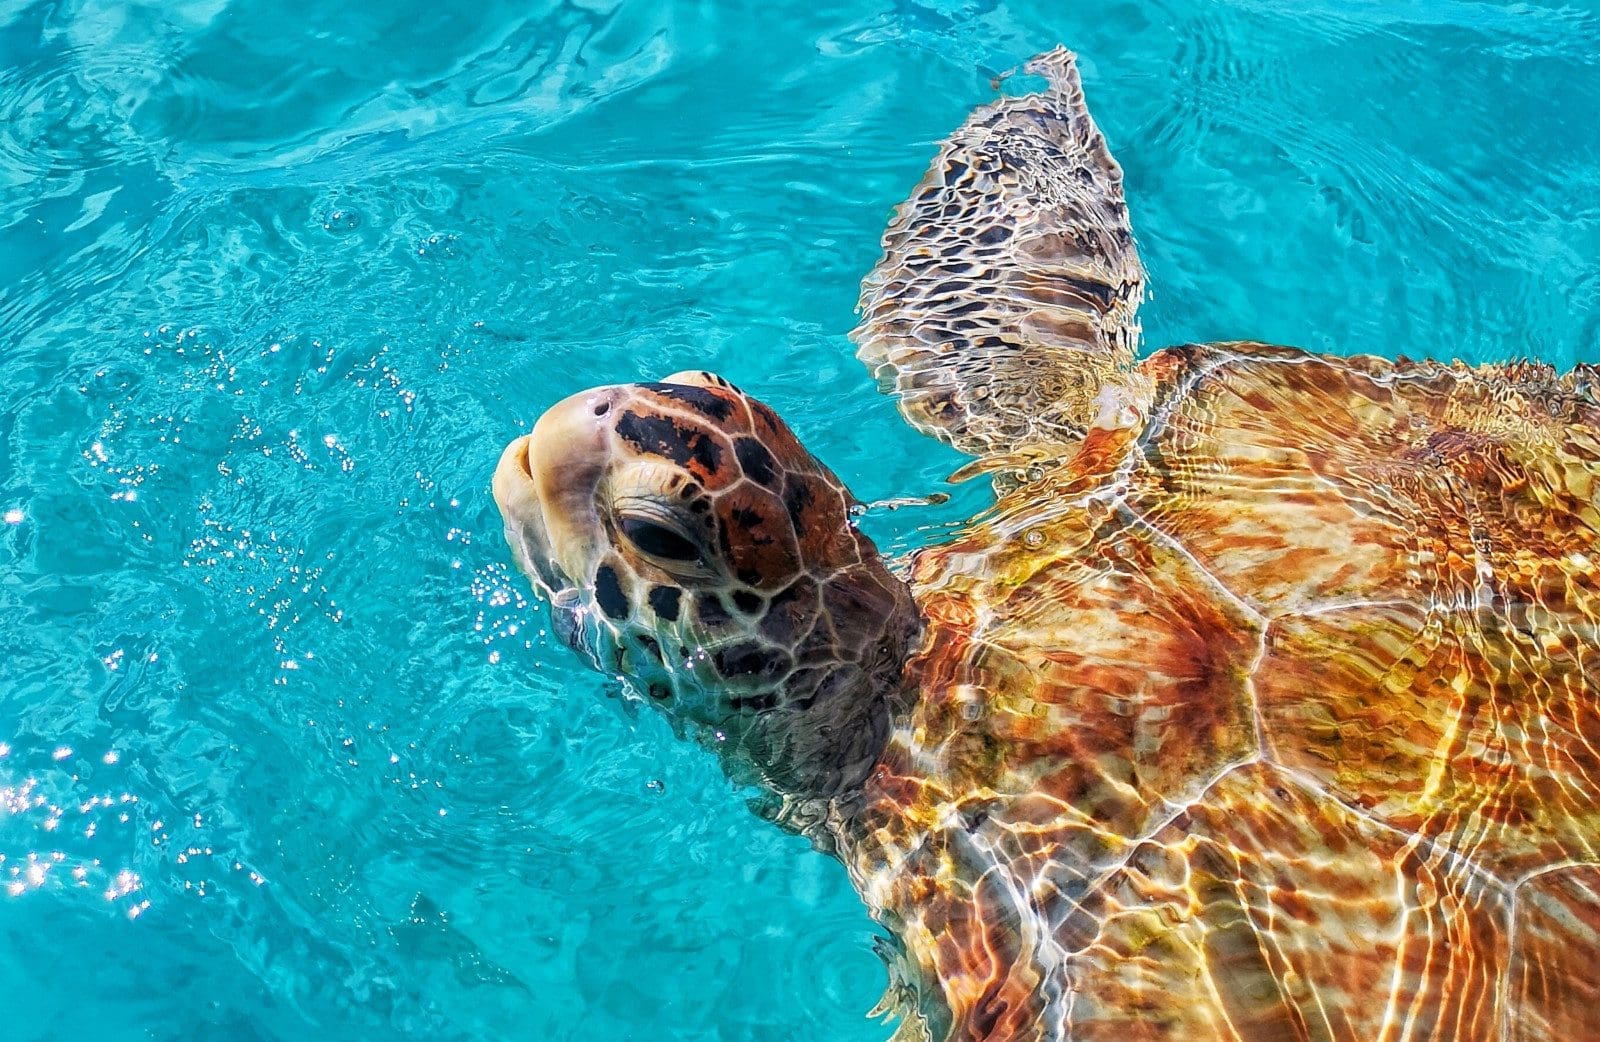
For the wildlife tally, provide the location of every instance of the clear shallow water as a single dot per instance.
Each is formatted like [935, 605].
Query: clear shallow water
[284, 748]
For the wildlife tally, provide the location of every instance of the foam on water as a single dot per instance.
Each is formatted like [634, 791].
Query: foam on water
[284, 745]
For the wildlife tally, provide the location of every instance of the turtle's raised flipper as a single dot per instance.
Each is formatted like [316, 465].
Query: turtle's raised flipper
[1006, 301]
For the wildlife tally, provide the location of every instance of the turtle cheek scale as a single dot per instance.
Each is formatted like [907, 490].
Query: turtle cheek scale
[679, 650]
[718, 669]
[700, 654]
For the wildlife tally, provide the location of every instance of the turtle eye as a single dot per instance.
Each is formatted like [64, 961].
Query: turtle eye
[658, 540]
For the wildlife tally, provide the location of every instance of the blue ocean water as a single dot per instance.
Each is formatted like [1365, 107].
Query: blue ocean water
[285, 750]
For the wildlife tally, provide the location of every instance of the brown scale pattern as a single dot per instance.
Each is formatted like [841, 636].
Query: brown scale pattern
[1270, 711]
[1219, 739]
[1429, 573]
[767, 521]
[1270, 912]
[1428, 474]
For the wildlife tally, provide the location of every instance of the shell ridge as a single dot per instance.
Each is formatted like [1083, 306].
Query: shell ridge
[1516, 913]
[1503, 994]
[1254, 613]
[1416, 840]
[1565, 865]
[1149, 834]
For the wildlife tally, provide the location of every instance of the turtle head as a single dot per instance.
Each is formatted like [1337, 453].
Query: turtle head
[687, 541]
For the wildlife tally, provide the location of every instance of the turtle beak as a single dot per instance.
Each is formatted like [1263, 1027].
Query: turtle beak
[523, 515]
[546, 486]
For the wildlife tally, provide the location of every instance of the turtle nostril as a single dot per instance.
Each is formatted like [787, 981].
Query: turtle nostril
[602, 408]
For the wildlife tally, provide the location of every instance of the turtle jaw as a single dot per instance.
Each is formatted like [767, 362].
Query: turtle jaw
[546, 486]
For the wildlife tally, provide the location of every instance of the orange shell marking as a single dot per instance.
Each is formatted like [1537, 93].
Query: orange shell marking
[1281, 722]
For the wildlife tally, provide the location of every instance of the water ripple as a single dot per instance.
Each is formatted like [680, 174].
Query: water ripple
[281, 728]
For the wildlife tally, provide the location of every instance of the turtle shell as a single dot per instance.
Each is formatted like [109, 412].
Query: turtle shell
[1278, 718]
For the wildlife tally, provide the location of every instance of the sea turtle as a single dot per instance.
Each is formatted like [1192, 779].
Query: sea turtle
[1263, 704]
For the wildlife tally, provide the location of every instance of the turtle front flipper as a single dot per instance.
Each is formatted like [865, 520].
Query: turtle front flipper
[1003, 313]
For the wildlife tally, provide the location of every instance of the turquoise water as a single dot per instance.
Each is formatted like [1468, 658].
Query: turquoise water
[285, 751]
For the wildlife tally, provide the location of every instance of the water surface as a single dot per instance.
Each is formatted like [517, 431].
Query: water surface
[285, 750]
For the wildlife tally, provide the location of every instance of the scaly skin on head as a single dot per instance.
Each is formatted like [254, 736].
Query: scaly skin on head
[686, 540]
